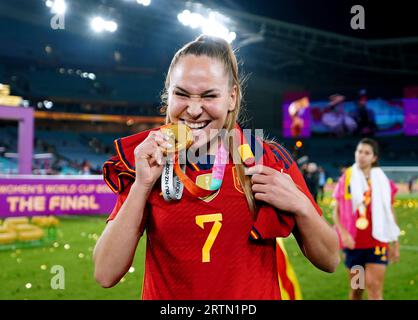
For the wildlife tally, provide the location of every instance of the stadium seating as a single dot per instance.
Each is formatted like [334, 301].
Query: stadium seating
[71, 148]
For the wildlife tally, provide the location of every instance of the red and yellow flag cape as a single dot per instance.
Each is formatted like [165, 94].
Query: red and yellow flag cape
[289, 285]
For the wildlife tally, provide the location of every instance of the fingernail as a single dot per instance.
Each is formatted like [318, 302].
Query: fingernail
[169, 145]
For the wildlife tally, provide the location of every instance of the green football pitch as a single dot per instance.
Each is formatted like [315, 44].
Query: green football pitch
[26, 273]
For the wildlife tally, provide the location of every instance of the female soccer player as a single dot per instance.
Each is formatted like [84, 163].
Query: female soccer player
[365, 221]
[216, 238]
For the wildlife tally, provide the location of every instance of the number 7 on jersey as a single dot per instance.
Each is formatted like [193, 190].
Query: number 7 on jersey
[200, 221]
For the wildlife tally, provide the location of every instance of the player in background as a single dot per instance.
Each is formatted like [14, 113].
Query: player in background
[365, 221]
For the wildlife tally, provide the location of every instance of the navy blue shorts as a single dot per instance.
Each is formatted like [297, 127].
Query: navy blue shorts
[360, 257]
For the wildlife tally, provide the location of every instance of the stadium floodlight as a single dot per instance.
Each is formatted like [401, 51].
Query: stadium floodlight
[231, 36]
[196, 20]
[48, 104]
[192, 20]
[111, 26]
[98, 24]
[145, 3]
[57, 6]
[183, 16]
[210, 26]
[25, 103]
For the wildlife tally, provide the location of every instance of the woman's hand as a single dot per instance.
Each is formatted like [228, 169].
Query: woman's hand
[347, 240]
[277, 189]
[394, 253]
[149, 159]
[317, 240]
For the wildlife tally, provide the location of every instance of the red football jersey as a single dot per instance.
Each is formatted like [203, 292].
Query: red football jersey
[212, 248]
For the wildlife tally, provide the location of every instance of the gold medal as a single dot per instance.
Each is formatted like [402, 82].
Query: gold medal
[181, 136]
[362, 223]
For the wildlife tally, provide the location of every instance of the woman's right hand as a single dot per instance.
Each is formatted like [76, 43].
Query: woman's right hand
[149, 159]
[347, 240]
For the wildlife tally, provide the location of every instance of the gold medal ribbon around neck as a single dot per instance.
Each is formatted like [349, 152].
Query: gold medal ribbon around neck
[362, 223]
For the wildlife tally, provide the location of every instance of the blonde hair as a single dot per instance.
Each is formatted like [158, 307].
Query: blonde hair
[220, 50]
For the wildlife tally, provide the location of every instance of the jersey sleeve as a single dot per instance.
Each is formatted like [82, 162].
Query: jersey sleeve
[272, 222]
[119, 202]
[119, 174]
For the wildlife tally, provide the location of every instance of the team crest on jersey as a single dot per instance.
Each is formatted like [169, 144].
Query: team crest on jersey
[237, 184]
[204, 181]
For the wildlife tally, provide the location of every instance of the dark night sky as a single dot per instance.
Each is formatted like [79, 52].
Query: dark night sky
[383, 19]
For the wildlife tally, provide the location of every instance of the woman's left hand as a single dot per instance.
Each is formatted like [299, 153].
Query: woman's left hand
[277, 189]
[394, 252]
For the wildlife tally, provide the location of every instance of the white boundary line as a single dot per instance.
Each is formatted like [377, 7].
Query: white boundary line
[409, 248]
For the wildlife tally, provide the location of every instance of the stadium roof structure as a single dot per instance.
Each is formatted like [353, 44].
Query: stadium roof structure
[312, 55]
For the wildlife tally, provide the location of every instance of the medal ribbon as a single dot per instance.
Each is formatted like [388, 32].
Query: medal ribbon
[362, 221]
[172, 185]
